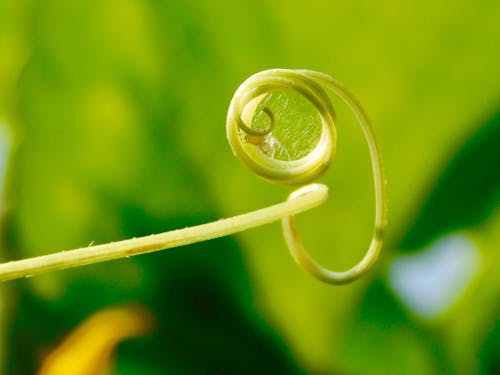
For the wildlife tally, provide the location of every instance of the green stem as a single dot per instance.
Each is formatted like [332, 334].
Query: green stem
[295, 245]
[307, 197]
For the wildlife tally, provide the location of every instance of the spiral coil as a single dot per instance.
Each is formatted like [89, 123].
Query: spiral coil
[256, 147]
[251, 146]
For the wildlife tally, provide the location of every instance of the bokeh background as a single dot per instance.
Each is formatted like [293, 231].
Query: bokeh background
[112, 125]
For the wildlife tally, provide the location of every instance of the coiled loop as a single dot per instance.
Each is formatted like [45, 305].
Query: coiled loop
[241, 111]
[247, 145]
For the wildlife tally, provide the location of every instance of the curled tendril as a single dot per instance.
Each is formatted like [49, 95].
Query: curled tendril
[248, 144]
[256, 148]
[242, 108]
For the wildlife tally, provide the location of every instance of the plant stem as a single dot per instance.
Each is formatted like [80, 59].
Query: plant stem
[305, 198]
[295, 245]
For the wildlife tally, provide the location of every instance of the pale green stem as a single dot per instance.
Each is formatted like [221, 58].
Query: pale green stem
[248, 149]
[312, 85]
[295, 245]
[307, 197]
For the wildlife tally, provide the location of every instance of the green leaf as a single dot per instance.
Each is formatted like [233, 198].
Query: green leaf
[466, 192]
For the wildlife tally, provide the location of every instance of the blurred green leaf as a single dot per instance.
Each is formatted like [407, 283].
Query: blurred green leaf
[466, 193]
[489, 355]
[464, 197]
[382, 339]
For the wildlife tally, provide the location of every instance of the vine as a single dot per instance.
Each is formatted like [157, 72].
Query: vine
[256, 148]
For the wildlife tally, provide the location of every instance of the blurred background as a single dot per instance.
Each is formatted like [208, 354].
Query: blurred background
[112, 125]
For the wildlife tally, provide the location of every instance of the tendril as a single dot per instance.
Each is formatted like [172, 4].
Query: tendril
[256, 148]
[242, 108]
[311, 85]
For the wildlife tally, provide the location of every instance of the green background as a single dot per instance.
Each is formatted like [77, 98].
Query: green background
[112, 125]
